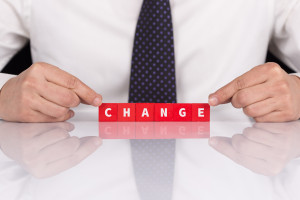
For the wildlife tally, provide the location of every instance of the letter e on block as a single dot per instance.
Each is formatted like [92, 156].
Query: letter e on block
[182, 112]
[163, 112]
[201, 112]
[126, 112]
[108, 112]
[144, 112]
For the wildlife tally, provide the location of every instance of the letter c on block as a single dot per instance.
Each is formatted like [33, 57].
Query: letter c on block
[106, 112]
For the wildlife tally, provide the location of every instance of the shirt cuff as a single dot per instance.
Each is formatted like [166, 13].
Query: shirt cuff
[4, 78]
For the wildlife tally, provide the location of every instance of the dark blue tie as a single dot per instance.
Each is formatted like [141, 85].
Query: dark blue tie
[153, 80]
[153, 63]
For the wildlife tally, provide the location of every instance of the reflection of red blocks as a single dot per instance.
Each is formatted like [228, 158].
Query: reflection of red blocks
[201, 129]
[183, 130]
[201, 112]
[108, 130]
[182, 112]
[163, 112]
[144, 130]
[108, 112]
[163, 130]
[126, 130]
[126, 112]
[144, 112]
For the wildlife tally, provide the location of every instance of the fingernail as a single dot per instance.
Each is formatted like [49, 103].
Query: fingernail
[72, 114]
[97, 101]
[98, 142]
[213, 141]
[213, 101]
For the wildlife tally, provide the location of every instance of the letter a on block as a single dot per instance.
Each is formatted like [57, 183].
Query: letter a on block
[144, 112]
[163, 112]
[126, 112]
[108, 112]
[201, 112]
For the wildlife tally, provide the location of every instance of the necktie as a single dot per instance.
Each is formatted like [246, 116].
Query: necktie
[153, 80]
[153, 63]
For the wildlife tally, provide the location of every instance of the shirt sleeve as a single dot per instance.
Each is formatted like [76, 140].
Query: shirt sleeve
[14, 21]
[285, 41]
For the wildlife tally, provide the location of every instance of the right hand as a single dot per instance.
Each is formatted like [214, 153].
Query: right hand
[44, 93]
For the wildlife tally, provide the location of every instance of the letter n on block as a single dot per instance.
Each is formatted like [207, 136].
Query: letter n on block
[201, 112]
[126, 112]
[108, 112]
[163, 112]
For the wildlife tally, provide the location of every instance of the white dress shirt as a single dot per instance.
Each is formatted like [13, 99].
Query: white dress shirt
[215, 41]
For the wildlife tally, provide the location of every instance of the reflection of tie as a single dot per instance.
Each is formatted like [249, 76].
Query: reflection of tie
[153, 162]
[153, 80]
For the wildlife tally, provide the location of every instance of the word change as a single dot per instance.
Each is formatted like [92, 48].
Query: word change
[128, 112]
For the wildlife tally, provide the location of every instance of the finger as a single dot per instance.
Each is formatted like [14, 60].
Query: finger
[59, 95]
[64, 79]
[260, 136]
[250, 148]
[253, 77]
[276, 116]
[50, 137]
[49, 108]
[251, 95]
[87, 147]
[38, 117]
[61, 149]
[262, 108]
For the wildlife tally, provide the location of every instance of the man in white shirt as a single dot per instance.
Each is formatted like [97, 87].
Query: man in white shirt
[215, 42]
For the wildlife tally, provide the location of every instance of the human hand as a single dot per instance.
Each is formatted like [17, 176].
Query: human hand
[266, 93]
[265, 148]
[44, 93]
[45, 149]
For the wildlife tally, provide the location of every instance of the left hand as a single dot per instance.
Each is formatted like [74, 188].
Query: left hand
[266, 93]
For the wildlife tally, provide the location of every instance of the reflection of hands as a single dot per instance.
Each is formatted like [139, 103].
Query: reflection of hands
[264, 148]
[45, 149]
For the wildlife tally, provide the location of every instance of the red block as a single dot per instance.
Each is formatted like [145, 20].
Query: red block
[182, 112]
[144, 112]
[163, 112]
[108, 112]
[126, 112]
[201, 112]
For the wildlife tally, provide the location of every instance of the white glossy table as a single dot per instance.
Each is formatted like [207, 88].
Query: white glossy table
[62, 161]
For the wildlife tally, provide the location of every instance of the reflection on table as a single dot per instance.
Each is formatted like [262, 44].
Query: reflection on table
[153, 130]
[64, 161]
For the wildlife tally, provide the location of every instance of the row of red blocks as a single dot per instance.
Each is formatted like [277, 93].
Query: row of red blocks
[112, 112]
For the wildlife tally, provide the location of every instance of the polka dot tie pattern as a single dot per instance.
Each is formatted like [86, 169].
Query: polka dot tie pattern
[153, 61]
[153, 80]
